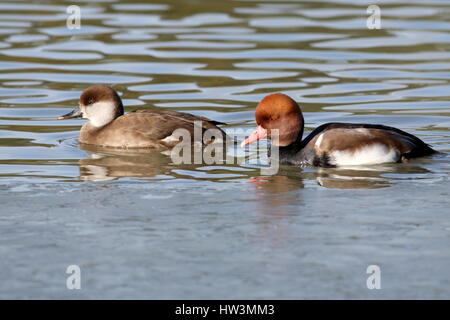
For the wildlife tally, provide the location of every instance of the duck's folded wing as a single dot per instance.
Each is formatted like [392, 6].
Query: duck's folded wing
[182, 116]
[159, 129]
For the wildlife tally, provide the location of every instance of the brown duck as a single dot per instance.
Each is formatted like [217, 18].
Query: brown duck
[331, 144]
[108, 126]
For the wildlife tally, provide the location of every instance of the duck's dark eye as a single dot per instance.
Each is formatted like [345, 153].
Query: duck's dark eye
[90, 101]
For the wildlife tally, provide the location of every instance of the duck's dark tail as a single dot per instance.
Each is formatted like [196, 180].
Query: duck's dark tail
[421, 150]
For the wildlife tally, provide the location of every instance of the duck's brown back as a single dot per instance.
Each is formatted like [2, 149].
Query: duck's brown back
[147, 129]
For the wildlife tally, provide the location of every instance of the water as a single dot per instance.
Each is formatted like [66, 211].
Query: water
[141, 227]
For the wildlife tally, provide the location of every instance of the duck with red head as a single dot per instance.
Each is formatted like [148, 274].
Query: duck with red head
[331, 144]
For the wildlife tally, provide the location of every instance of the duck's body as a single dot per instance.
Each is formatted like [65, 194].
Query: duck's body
[332, 144]
[110, 127]
[145, 129]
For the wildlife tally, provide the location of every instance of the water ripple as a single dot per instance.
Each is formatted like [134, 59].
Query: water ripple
[217, 61]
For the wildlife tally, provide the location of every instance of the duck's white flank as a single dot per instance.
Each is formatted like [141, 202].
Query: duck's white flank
[369, 155]
[100, 113]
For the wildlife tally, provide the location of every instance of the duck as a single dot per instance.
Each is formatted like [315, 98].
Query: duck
[108, 126]
[331, 144]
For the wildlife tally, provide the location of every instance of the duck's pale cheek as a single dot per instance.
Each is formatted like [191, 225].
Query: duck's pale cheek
[100, 113]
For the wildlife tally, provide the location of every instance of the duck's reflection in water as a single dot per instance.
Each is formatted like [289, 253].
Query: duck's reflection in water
[113, 163]
[283, 199]
[275, 191]
[277, 200]
[349, 178]
[110, 164]
[358, 177]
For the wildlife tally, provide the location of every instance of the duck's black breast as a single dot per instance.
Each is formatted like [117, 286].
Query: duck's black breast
[333, 144]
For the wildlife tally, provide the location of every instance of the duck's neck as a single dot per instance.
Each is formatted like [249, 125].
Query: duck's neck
[290, 154]
[295, 146]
